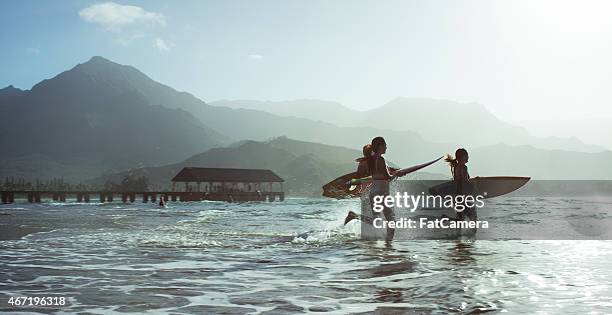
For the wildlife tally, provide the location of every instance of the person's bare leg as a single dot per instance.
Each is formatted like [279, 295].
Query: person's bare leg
[390, 216]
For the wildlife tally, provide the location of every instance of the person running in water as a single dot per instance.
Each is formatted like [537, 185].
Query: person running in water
[462, 179]
[381, 176]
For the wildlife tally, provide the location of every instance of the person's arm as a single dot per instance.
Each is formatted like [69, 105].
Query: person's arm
[381, 172]
[362, 169]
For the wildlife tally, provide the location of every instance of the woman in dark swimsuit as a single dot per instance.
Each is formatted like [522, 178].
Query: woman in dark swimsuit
[381, 176]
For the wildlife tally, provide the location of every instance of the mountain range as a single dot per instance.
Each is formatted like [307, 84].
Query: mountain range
[427, 117]
[101, 118]
[93, 119]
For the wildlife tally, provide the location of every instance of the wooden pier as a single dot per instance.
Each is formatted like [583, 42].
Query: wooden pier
[215, 184]
[146, 196]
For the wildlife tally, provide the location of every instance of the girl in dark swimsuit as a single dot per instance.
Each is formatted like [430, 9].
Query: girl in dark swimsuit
[462, 179]
[362, 168]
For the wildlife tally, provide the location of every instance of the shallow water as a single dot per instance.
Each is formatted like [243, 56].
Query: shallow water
[283, 257]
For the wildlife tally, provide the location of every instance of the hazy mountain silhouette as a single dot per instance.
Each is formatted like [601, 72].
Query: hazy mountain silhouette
[240, 124]
[435, 120]
[525, 160]
[9, 94]
[92, 116]
[102, 117]
[112, 116]
[317, 110]
[259, 125]
[305, 166]
[468, 124]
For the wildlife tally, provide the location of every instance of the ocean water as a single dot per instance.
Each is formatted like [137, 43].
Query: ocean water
[286, 257]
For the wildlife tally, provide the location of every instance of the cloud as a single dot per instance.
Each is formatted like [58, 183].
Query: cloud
[33, 50]
[162, 44]
[255, 57]
[113, 16]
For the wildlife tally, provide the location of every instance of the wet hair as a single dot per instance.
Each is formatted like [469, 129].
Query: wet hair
[367, 152]
[454, 161]
[376, 143]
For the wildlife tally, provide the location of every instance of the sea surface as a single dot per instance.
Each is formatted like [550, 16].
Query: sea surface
[286, 257]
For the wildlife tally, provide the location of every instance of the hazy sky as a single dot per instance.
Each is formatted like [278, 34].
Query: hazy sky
[546, 65]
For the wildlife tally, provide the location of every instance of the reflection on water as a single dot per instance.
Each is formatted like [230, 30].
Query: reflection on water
[461, 253]
[283, 258]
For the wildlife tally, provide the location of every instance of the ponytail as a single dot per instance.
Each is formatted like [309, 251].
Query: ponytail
[367, 152]
[454, 161]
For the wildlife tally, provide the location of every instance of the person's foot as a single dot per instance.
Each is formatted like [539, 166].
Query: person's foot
[350, 217]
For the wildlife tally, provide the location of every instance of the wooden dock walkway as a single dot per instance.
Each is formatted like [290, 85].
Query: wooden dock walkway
[144, 196]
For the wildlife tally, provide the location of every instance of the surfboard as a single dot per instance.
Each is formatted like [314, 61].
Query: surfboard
[342, 187]
[407, 170]
[488, 187]
[339, 189]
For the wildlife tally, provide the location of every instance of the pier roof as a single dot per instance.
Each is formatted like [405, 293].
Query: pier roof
[204, 174]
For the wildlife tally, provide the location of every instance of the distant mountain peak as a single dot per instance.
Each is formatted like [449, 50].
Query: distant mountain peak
[98, 59]
[99, 62]
[10, 88]
[98, 65]
[10, 93]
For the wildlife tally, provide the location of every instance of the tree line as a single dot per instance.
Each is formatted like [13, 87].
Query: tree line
[128, 183]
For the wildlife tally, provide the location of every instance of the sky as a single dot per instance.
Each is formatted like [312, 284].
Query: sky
[541, 64]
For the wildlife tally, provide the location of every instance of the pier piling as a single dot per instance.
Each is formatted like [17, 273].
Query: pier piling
[8, 196]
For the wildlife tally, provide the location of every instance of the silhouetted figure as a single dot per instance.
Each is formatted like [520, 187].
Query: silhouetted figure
[462, 179]
[381, 176]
